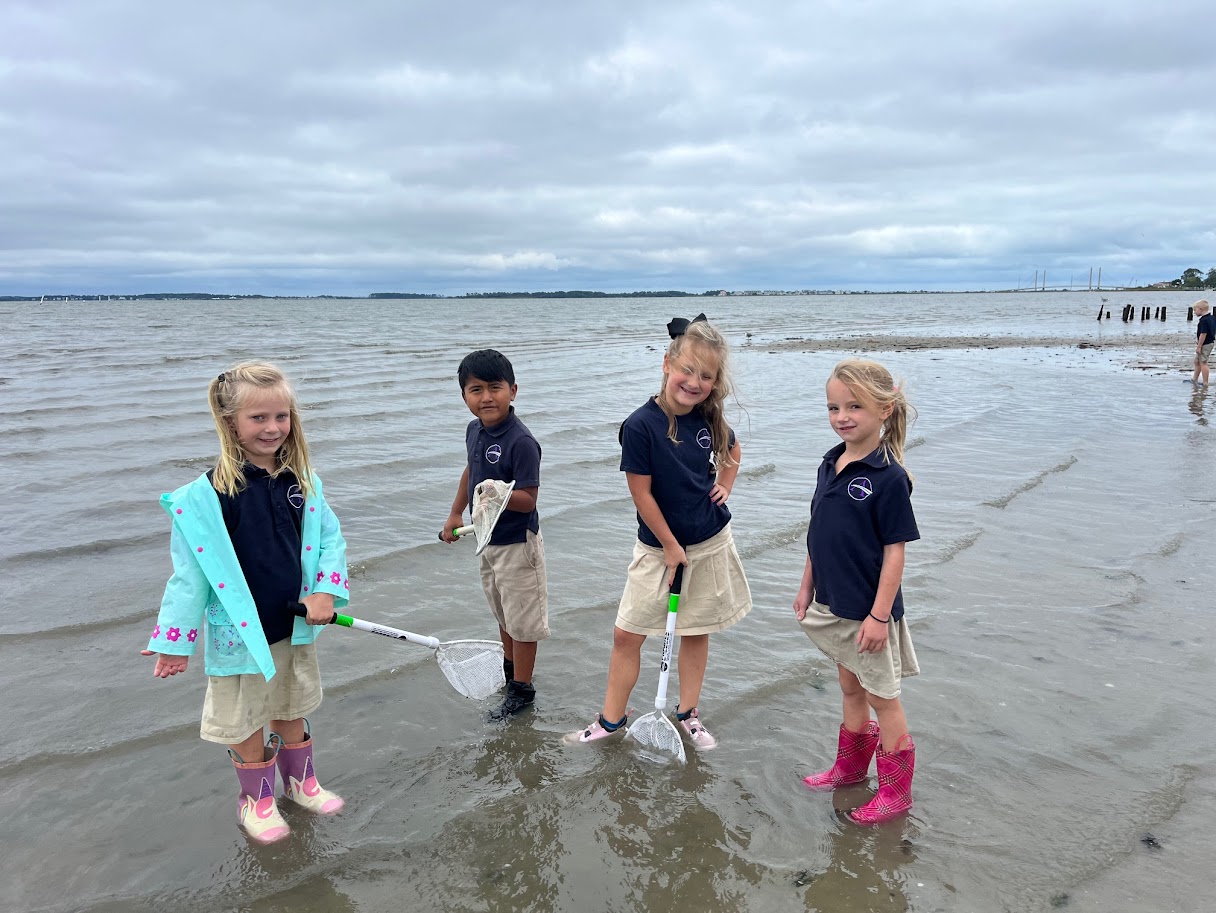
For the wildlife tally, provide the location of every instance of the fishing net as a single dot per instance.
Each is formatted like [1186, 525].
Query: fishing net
[489, 501]
[656, 732]
[472, 667]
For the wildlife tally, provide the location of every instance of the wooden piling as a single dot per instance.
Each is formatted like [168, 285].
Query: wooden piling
[1163, 312]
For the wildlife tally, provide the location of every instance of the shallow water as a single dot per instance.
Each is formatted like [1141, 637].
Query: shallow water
[1057, 600]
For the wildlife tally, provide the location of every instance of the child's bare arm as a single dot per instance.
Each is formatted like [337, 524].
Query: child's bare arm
[872, 637]
[523, 500]
[651, 514]
[806, 592]
[459, 503]
[726, 477]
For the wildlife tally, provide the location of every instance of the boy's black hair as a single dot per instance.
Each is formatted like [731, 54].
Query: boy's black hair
[489, 365]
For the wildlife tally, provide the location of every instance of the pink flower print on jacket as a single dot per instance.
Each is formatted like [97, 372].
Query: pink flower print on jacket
[192, 635]
[156, 632]
[173, 634]
[320, 576]
[335, 578]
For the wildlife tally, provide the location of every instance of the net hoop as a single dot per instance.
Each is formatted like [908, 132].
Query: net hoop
[472, 667]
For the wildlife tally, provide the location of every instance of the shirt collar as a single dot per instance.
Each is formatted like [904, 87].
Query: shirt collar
[253, 472]
[877, 459]
[502, 427]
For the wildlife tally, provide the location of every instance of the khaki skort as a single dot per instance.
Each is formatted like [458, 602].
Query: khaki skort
[1204, 353]
[236, 706]
[879, 673]
[713, 597]
[513, 577]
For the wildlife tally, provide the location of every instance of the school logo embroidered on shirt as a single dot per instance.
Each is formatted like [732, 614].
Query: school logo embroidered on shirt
[493, 453]
[705, 439]
[860, 488]
[295, 497]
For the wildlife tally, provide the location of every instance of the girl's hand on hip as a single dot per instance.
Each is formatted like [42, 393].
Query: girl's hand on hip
[719, 493]
[872, 638]
[166, 663]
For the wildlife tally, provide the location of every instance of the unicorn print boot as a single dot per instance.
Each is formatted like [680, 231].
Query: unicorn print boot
[257, 814]
[300, 780]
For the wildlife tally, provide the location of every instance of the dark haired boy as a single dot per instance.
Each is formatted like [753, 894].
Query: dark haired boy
[513, 565]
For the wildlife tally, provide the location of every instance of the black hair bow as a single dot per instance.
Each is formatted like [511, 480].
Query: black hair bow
[678, 326]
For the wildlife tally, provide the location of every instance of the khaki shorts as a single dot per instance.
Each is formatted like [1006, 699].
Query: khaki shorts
[714, 594]
[513, 577]
[236, 706]
[879, 673]
[1201, 357]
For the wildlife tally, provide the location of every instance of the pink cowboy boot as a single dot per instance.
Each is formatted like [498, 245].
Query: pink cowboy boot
[853, 753]
[894, 796]
[300, 781]
[257, 813]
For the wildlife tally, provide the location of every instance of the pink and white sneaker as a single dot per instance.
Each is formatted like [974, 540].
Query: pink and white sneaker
[697, 734]
[596, 732]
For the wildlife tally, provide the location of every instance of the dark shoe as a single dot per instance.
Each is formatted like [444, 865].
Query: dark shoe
[508, 669]
[519, 697]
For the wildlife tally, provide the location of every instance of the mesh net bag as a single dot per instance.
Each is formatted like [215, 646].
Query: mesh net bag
[656, 732]
[472, 667]
[489, 501]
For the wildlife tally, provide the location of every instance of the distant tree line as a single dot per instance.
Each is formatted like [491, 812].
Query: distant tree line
[579, 293]
[1194, 278]
[574, 293]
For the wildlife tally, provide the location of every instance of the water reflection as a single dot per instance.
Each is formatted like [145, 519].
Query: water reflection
[1197, 405]
[865, 867]
[671, 846]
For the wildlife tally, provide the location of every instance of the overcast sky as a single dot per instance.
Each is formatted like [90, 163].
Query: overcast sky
[313, 147]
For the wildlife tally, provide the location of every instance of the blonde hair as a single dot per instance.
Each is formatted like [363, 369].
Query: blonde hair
[228, 394]
[1201, 303]
[873, 385]
[697, 342]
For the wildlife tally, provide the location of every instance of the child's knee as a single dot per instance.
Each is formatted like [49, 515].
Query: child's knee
[627, 640]
[850, 684]
[881, 704]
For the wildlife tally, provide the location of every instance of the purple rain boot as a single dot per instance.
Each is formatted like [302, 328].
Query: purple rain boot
[853, 753]
[894, 796]
[300, 780]
[257, 813]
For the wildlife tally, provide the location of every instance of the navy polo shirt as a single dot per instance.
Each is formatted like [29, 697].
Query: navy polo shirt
[853, 515]
[1206, 331]
[264, 520]
[681, 475]
[508, 452]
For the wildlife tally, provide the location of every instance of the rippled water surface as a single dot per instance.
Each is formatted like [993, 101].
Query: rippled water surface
[1060, 600]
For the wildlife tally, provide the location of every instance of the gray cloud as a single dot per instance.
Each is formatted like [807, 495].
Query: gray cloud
[311, 147]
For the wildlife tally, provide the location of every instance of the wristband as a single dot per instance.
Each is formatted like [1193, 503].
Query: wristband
[881, 621]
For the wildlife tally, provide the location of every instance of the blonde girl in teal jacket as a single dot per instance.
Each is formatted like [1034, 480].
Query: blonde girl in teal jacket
[249, 539]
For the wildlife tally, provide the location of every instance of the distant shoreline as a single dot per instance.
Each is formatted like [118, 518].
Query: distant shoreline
[574, 294]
